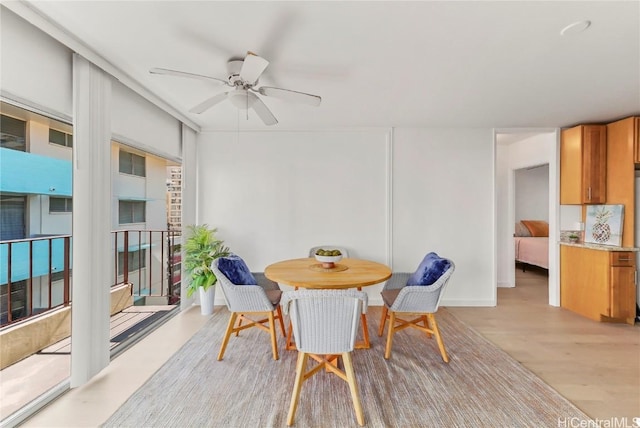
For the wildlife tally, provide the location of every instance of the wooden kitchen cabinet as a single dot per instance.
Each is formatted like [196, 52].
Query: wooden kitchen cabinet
[583, 163]
[622, 148]
[623, 285]
[636, 158]
[598, 284]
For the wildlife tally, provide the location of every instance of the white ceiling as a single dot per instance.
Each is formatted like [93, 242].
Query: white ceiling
[499, 64]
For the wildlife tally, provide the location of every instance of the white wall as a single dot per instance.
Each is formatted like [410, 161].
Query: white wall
[532, 193]
[443, 201]
[273, 195]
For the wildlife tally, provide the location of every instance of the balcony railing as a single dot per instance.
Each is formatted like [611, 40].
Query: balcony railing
[150, 261]
[30, 273]
[36, 273]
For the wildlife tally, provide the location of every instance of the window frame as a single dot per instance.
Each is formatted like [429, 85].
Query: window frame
[68, 138]
[123, 166]
[68, 205]
[20, 145]
[133, 205]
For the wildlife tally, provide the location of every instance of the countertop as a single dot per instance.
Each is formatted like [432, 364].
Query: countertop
[598, 247]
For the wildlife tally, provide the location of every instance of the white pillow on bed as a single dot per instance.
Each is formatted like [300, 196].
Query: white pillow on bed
[521, 230]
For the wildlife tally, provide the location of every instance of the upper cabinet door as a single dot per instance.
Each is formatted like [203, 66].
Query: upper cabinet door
[594, 162]
[583, 162]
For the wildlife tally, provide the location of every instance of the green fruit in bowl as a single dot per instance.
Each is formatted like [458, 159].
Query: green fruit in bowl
[328, 253]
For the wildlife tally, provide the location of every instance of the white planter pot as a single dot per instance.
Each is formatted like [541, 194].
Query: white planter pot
[207, 299]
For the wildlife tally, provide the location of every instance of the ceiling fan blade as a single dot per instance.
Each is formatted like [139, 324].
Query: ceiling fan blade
[252, 67]
[289, 95]
[168, 72]
[209, 102]
[262, 110]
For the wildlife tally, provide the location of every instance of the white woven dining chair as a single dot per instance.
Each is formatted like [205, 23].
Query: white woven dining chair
[325, 324]
[245, 302]
[421, 301]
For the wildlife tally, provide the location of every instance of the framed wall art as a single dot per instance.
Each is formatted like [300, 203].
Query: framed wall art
[604, 224]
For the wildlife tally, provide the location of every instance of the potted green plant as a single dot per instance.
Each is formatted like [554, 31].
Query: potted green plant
[200, 249]
[573, 237]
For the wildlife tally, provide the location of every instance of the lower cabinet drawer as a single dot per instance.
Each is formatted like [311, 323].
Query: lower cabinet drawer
[623, 258]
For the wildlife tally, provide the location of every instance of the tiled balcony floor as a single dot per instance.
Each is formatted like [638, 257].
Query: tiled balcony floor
[25, 380]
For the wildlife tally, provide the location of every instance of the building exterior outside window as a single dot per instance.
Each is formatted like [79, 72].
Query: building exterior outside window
[36, 202]
[133, 164]
[13, 133]
[174, 198]
[131, 212]
[60, 138]
[60, 205]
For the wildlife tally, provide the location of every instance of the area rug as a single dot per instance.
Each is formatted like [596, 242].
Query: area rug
[482, 386]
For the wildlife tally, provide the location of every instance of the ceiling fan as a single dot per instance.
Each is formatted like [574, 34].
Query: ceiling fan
[243, 78]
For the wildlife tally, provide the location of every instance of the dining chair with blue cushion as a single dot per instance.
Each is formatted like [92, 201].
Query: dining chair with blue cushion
[416, 293]
[325, 324]
[248, 297]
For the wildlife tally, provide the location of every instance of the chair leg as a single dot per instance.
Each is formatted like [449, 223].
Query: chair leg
[425, 320]
[390, 331]
[383, 320]
[436, 331]
[297, 386]
[227, 334]
[272, 332]
[279, 311]
[239, 325]
[289, 345]
[353, 386]
[365, 330]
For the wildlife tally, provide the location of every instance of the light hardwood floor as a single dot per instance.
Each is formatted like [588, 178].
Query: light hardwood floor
[594, 365]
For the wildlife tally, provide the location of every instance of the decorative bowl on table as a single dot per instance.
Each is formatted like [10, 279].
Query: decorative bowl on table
[328, 258]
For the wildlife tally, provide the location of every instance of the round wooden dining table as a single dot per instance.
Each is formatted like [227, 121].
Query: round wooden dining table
[347, 273]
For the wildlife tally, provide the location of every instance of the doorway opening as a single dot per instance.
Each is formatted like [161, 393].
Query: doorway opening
[527, 189]
[531, 233]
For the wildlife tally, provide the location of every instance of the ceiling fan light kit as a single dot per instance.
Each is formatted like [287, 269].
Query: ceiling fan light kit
[241, 98]
[243, 78]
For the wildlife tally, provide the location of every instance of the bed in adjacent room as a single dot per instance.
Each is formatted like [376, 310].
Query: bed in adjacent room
[531, 239]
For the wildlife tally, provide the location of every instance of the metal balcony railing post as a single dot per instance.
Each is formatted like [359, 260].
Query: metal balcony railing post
[67, 276]
[49, 269]
[9, 257]
[125, 258]
[30, 296]
[150, 270]
[139, 263]
[162, 267]
[115, 262]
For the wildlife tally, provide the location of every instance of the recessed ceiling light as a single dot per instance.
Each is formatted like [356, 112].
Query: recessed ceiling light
[575, 28]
